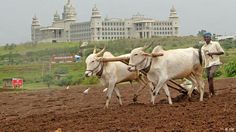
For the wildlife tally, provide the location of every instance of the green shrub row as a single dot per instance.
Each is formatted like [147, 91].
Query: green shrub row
[30, 62]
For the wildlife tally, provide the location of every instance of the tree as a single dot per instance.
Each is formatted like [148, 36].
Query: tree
[48, 79]
[10, 48]
[6, 47]
[201, 32]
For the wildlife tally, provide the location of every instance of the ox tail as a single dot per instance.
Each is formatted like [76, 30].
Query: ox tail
[200, 55]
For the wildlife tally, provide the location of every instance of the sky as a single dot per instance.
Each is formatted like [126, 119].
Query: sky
[216, 16]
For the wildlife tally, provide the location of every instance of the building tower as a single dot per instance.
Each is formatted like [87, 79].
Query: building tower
[96, 24]
[35, 29]
[69, 17]
[56, 17]
[69, 13]
[175, 21]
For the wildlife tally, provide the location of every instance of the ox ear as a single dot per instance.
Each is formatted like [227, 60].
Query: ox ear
[100, 52]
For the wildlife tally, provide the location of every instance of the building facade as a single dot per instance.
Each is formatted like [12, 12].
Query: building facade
[60, 28]
[99, 29]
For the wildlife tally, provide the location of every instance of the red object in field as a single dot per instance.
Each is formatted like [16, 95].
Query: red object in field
[16, 82]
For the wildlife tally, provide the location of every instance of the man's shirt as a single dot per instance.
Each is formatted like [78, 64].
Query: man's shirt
[209, 48]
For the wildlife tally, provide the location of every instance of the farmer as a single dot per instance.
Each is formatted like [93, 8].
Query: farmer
[211, 51]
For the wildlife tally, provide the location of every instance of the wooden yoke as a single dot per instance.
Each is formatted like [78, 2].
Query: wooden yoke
[111, 59]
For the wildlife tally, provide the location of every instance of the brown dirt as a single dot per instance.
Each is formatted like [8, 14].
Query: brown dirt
[71, 110]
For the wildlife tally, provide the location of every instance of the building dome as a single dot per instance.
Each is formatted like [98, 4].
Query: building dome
[56, 17]
[69, 12]
[95, 8]
[173, 13]
[68, 4]
[95, 12]
[172, 9]
[35, 21]
[138, 16]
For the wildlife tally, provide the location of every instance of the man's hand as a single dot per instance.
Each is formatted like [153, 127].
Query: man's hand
[210, 54]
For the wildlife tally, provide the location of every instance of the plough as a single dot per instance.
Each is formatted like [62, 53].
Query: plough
[125, 60]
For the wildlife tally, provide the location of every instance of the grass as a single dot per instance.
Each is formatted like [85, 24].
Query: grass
[24, 48]
[30, 87]
[34, 58]
[33, 73]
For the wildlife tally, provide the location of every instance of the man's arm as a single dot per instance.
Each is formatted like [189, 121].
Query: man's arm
[220, 50]
[215, 53]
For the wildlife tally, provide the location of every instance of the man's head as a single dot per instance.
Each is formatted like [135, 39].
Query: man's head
[207, 37]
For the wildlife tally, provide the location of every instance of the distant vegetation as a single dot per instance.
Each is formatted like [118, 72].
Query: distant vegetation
[31, 61]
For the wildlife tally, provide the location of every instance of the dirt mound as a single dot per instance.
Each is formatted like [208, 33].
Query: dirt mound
[185, 98]
[71, 110]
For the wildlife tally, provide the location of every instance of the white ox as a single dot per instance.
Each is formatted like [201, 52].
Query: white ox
[167, 65]
[110, 73]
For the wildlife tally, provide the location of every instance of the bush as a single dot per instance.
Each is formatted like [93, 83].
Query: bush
[65, 81]
[90, 80]
[197, 46]
[230, 68]
[228, 46]
[48, 79]
[218, 73]
[76, 81]
[61, 70]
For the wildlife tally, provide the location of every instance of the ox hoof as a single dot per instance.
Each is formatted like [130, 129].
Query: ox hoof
[152, 103]
[135, 98]
[105, 107]
[190, 99]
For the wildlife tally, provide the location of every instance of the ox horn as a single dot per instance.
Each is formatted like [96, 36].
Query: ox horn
[100, 52]
[147, 46]
[94, 50]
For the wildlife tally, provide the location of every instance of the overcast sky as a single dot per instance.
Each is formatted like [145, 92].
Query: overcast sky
[217, 16]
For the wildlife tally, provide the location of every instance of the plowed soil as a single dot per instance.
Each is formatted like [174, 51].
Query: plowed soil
[71, 110]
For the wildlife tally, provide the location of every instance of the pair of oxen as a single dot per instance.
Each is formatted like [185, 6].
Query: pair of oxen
[158, 67]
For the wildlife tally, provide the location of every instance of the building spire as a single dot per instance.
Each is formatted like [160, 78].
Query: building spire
[35, 21]
[172, 9]
[95, 12]
[56, 17]
[173, 13]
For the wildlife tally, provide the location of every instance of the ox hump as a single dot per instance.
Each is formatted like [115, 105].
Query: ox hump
[108, 54]
[157, 49]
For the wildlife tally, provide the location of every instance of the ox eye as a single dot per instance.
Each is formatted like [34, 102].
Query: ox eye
[92, 61]
[135, 54]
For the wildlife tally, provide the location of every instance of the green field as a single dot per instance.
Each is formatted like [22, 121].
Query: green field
[31, 61]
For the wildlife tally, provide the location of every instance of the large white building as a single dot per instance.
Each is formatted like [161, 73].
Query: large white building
[100, 29]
